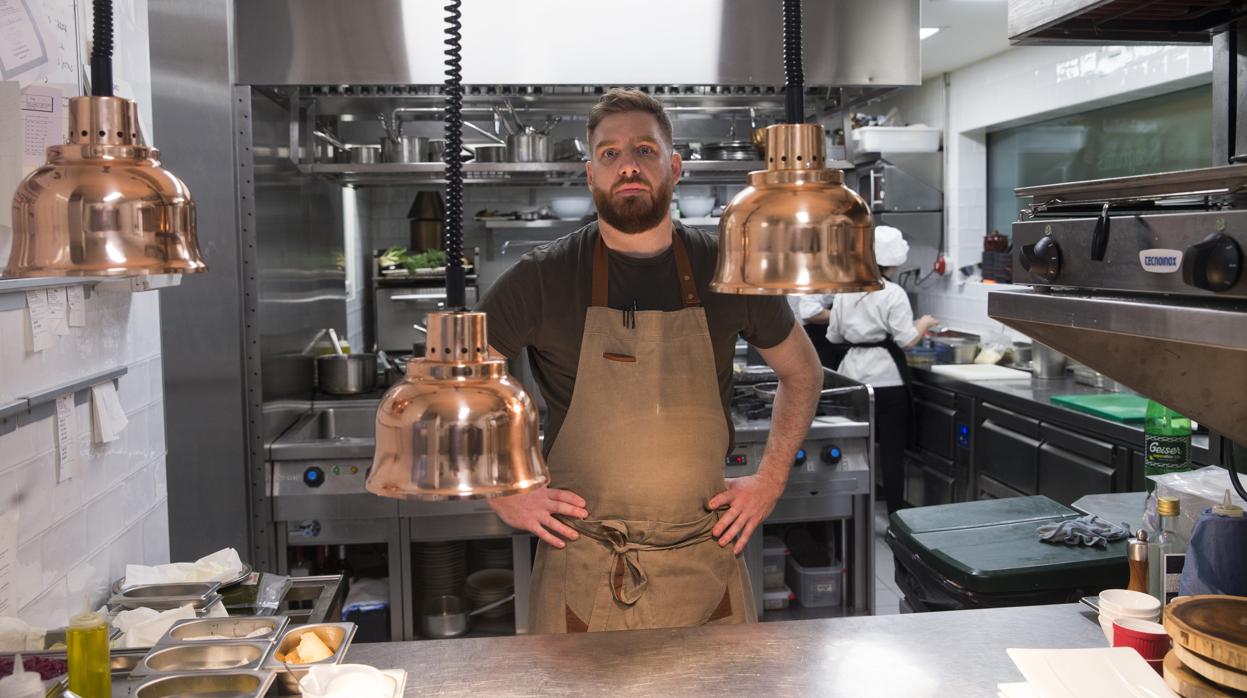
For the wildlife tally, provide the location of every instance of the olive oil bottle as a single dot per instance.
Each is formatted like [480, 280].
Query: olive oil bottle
[86, 640]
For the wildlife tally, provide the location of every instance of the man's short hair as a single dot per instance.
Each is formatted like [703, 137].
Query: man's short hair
[620, 101]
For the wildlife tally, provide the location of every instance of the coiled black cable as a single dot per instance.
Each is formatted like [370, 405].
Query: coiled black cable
[794, 72]
[453, 239]
[102, 49]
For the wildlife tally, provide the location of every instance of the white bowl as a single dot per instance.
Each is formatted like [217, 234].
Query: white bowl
[696, 206]
[1123, 603]
[571, 207]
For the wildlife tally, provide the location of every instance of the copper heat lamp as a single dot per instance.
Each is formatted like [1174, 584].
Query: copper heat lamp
[796, 228]
[102, 205]
[457, 426]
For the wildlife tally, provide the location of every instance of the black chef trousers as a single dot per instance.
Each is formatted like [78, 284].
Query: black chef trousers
[891, 429]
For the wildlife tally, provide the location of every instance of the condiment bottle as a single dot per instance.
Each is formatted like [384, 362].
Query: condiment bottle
[86, 640]
[1136, 554]
[21, 683]
[1167, 552]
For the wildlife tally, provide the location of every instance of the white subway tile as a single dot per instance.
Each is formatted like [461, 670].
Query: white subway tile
[63, 546]
[90, 579]
[52, 608]
[105, 517]
[127, 549]
[155, 377]
[156, 535]
[16, 446]
[30, 581]
[32, 485]
[133, 389]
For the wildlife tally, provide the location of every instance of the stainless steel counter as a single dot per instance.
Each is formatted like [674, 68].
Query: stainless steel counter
[959, 653]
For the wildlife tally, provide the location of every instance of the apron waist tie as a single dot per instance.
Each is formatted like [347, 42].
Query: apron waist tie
[627, 539]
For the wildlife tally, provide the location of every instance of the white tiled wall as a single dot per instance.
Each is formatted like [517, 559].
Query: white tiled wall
[1021, 85]
[76, 536]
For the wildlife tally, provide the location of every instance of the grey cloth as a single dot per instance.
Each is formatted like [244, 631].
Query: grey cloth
[1089, 530]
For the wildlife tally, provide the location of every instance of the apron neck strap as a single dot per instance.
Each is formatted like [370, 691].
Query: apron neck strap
[683, 268]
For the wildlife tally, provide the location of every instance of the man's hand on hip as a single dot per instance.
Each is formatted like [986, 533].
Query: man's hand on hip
[534, 511]
[750, 500]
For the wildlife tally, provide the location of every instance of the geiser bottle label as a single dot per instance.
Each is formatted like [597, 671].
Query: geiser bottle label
[1167, 451]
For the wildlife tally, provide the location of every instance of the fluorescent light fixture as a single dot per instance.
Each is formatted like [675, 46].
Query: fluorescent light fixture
[927, 32]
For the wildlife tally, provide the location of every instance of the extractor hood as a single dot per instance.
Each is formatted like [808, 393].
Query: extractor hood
[1106, 22]
[1190, 355]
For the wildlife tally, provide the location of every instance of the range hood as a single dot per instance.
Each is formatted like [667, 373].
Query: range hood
[1106, 22]
[1189, 355]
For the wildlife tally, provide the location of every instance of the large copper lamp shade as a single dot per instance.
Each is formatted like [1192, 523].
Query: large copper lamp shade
[458, 426]
[102, 205]
[796, 228]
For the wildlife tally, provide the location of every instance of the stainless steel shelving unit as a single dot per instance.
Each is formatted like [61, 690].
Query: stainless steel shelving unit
[386, 174]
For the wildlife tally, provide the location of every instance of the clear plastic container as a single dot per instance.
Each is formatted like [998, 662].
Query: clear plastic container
[774, 552]
[777, 599]
[816, 587]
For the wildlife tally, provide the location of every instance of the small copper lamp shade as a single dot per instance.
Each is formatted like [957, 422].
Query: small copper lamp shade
[796, 228]
[102, 205]
[458, 426]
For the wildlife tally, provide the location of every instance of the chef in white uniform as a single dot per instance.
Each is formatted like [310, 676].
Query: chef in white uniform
[876, 328]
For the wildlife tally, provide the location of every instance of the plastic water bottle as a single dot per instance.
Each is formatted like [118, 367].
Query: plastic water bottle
[1166, 442]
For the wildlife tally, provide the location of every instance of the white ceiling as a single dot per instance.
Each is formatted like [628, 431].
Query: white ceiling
[970, 30]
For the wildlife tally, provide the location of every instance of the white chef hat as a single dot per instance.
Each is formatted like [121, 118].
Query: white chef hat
[891, 250]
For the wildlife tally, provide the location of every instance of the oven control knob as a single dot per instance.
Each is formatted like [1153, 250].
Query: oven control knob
[1043, 259]
[832, 455]
[313, 477]
[1213, 264]
[800, 458]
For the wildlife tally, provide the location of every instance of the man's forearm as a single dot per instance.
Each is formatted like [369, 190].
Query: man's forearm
[796, 400]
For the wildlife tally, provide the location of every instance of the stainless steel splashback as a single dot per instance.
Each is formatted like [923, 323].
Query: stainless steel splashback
[572, 42]
[299, 242]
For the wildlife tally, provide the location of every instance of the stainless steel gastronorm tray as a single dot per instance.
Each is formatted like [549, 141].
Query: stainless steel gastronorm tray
[204, 657]
[337, 636]
[199, 631]
[236, 684]
[158, 596]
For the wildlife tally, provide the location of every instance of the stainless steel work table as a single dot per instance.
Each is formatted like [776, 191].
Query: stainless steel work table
[957, 653]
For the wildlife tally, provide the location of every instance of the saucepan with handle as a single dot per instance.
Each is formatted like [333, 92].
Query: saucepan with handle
[447, 616]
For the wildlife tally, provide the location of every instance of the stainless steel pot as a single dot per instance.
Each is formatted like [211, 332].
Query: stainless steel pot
[490, 153]
[447, 616]
[437, 148]
[365, 154]
[528, 147]
[729, 150]
[404, 149]
[346, 374]
[1046, 362]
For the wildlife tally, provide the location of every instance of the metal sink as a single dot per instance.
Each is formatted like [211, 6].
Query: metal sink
[344, 429]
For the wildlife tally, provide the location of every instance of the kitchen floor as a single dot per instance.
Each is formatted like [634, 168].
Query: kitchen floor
[887, 595]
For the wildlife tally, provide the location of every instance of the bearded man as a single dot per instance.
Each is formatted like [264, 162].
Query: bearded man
[633, 355]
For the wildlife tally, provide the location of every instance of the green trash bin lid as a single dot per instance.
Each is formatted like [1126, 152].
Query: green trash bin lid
[992, 546]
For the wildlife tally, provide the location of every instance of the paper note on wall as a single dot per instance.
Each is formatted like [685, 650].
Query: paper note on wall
[41, 122]
[22, 48]
[66, 439]
[40, 325]
[8, 563]
[76, 299]
[58, 310]
[107, 416]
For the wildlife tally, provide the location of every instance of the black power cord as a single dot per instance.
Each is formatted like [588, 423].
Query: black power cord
[794, 72]
[456, 291]
[102, 49]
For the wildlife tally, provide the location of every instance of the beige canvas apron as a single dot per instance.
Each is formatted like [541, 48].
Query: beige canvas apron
[643, 443]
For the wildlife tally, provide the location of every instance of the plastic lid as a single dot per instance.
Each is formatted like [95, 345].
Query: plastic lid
[1227, 508]
[1168, 506]
[21, 683]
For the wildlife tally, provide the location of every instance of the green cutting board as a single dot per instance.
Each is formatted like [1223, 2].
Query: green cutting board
[1115, 406]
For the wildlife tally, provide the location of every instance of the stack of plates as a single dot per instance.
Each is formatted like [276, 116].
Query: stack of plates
[491, 555]
[1209, 655]
[440, 567]
[486, 586]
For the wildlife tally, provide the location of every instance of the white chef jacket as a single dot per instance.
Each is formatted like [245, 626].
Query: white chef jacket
[859, 318]
[806, 307]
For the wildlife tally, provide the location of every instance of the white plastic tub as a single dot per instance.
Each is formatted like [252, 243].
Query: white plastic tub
[897, 139]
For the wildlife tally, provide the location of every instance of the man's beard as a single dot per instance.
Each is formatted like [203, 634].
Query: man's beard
[634, 214]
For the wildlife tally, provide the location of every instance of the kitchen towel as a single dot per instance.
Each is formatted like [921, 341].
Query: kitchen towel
[1089, 530]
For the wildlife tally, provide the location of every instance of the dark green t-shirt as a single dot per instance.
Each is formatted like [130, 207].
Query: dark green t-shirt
[540, 304]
